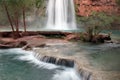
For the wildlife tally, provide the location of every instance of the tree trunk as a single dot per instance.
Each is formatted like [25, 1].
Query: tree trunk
[16, 22]
[8, 15]
[24, 22]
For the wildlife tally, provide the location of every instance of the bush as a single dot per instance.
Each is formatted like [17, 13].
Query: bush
[95, 23]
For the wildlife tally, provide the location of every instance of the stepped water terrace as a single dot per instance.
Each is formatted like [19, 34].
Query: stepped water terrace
[37, 65]
[27, 67]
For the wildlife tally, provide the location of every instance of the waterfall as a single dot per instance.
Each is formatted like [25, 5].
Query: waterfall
[56, 61]
[68, 72]
[61, 15]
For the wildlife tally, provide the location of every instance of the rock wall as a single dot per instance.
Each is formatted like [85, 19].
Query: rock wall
[85, 7]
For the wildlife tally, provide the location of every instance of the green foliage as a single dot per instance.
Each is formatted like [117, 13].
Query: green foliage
[118, 2]
[15, 7]
[3, 17]
[96, 22]
[39, 3]
[40, 7]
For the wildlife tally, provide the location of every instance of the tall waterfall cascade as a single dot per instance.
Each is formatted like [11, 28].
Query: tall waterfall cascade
[61, 15]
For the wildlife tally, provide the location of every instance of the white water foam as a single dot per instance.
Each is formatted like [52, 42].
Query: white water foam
[28, 56]
[65, 74]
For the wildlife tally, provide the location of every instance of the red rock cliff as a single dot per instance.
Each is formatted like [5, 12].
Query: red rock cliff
[85, 7]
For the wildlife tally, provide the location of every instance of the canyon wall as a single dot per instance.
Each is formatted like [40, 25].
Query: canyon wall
[85, 7]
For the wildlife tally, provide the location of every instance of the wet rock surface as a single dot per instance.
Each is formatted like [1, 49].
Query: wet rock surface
[31, 39]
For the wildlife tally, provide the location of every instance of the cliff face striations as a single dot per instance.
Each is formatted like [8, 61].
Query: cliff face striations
[85, 7]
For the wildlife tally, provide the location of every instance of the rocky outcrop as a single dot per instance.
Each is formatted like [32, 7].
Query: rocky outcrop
[42, 34]
[12, 44]
[32, 39]
[85, 7]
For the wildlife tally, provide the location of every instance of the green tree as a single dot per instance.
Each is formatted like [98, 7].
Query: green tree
[26, 6]
[40, 7]
[118, 2]
[96, 22]
[5, 6]
[14, 10]
[17, 9]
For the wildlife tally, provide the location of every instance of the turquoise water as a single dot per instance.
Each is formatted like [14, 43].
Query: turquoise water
[101, 56]
[105, 56]
[16, 64]
[115, 34]
[13, 69]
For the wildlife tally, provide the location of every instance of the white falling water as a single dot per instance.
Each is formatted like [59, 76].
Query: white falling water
[61, 15]
[65, 74]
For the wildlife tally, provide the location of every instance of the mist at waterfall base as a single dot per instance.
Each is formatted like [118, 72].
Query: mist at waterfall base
[22, 65]
[61, 15]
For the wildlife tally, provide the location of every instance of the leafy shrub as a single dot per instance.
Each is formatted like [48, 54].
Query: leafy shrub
[96, 22]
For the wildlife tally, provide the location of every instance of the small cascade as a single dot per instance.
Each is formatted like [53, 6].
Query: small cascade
[69, 63]
[61, 15]
[56, 61]
[85, 75]
[68, 72]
